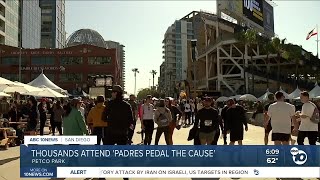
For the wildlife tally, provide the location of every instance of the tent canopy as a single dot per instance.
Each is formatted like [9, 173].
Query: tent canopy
[4, 81]
[315, 91]
[295, 93]
[42, 80]
[248, 97]
[264, 97]
[47, 92]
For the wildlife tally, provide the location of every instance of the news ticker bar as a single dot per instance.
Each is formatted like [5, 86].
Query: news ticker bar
[179, 172]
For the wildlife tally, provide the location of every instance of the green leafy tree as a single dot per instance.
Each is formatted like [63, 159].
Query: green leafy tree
[251, 37]
[143, 93]
[268, 49]
[153, 72]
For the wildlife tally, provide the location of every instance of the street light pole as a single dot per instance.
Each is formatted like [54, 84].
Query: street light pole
[135, 71]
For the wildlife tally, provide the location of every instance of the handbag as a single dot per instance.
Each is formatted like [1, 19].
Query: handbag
[192, 133]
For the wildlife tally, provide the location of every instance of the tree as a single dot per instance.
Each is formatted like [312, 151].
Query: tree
[251, 39]
[241, 37]
[135, 71]
[143, 93]
[293, 53]
[268, 49]
[278, 46]
[153, 72]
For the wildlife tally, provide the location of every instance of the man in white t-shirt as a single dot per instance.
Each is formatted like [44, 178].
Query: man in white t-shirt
[281, 114]
[307, 127]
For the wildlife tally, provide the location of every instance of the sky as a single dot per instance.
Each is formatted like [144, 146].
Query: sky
[140, 26]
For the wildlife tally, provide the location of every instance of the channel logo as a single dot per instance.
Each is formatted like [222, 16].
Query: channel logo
[299, 157]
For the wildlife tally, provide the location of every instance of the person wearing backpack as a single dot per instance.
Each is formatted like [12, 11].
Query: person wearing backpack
[309, 118]
[163, 118]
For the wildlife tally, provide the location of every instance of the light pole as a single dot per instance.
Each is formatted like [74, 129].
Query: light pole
[193, 46]
[135, 71]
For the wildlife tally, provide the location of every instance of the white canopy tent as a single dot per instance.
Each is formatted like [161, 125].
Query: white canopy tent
[2, 94]
[237, 97]
[264, 97]
[42, 80]
[222, 99]
[47, 92]
[286, 95]
[19, 88]
[4, 81]
[295, 93]
[248, 97]
[315, 92]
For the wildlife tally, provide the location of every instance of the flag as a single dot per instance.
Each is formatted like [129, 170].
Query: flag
[311, 33]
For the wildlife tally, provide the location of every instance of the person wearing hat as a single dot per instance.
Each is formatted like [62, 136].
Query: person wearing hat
[95, 120]
[119, 118]
[73, 121]
[208, 120]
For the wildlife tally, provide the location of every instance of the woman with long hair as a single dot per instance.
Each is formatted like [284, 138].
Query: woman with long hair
[175, 123]
[73, 121]
[33, 116]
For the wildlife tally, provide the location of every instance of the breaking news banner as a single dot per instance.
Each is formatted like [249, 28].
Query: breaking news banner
[77, 157]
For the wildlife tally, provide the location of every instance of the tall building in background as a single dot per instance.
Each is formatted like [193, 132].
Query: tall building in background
[120, 57]
[9, 22]
[176, 54]
[53, 34]
[30, 24]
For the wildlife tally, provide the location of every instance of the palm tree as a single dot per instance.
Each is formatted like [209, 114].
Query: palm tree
[170, 73]
[135, 71]
[278, 46]
[153, 72]
[293, 53]
[251, 37]
[268, 49]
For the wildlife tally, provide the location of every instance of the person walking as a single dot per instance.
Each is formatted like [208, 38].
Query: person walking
[134, 108]
[224, 120]
[193, 111]
[282, 114]
[176, 117]
[73, 121]
[207, 119]
[58, 116]
[187, 112]
[163, 118]
[236, 119]
[307, 128]
[33, 116]
[96, 122]
[267, 120]
[43, 115]
[141, 118]
[119, 118]
[147, 120]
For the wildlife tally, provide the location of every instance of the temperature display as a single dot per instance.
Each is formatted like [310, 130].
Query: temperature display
[272, 160]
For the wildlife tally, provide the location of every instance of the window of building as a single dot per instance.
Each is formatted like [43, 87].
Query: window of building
[178, 47]
[179, 54]
[11, 77]
[99, 60]
[190, 37]
[71, 77]
[178, 36]
[42, 60]
[189, 25]
[178, 41]
[13, 61]
[71, 60]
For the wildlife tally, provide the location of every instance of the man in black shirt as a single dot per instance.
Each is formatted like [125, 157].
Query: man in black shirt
[267, 121]
[134, 108]
[224, 119]
[208, 120]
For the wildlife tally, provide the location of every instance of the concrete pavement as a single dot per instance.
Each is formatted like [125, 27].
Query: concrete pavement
[10, 160]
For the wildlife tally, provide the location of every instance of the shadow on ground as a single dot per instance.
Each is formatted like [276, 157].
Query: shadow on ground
[4, 161]
[289, 179]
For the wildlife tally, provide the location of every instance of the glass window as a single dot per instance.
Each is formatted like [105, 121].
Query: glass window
[11, 77]
[190, 37]
[179, 54]
[71, 60]
[42, 60]
[178, 36]
[189, 25]
[13, 61]
[71, 77]
[178, 47]
[99, 60]
[178, 41]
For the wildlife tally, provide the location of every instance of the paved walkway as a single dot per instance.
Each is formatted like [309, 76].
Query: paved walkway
[10, 163]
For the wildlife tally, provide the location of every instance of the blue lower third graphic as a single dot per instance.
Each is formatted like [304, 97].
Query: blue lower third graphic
[38, 172]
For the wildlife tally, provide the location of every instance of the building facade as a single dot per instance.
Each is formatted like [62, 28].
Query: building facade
[9, 22]
[53, 34]
[175, 50]
[120, 57]
[69, 68]
[30, 24]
